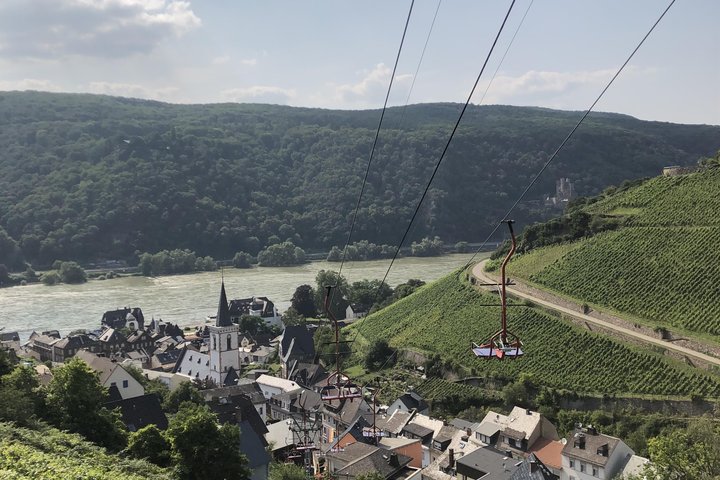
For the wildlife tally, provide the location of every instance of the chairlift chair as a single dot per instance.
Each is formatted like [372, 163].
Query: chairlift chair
[503, 343]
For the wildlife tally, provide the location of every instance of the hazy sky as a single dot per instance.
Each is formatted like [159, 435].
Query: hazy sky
[339, 54]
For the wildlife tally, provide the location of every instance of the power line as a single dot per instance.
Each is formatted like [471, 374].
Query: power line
[447, 145]
[572, 132]
[422, 56]
[375, 141]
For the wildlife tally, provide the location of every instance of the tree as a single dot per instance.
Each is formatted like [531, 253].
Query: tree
[4, 274]
[202, 449]
[462, 247]
[71, 272]
[325, 344]
[252, 324]
[367, 293]
[427, 247]
[380, 354]
[75, 402]
[291, 317]
[242, 260]
[185, 392]
[339, 292]
[51, 278]
[149, 443]
[286, 471]
[335, 254]
[303, 301]
[280, 255]
[370, 476]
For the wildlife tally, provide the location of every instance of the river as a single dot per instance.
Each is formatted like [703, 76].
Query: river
[187, 299]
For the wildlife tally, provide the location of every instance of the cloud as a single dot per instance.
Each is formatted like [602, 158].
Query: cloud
[30, 84]
[372, 87]
[96, 28]
[131, 90]
[260, 94]
[250, 62]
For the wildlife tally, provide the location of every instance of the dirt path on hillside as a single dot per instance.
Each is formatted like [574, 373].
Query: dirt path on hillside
[610, 325]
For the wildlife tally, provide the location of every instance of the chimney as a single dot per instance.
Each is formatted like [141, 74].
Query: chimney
[579, 441]
[451, 458]
[508, 453]
[528, 412]
[533, 466]
[468, 432]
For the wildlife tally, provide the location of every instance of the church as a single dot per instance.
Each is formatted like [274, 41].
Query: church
[222, 362]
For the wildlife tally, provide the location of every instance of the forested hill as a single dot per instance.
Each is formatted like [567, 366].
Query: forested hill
[89, 177]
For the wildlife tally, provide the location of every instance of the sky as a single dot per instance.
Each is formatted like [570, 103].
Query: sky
[339, 54]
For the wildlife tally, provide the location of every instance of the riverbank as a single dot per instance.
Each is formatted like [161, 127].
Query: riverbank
[188, 299]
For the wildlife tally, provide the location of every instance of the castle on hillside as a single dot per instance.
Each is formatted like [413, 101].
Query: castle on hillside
[564, 192]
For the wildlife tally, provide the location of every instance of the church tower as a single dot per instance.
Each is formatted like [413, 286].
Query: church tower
[224, 355]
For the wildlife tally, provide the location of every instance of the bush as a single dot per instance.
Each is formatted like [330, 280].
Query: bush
[51, 278]
[243, 260]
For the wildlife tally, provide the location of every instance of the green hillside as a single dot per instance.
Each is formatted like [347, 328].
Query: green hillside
[49, 454]
[89, 177]
[447, 315]
[660, 266]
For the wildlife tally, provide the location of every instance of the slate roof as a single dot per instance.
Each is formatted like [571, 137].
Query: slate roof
[238, 409]
[102, 365]
[253, 446]
[381, 461]
[111, 335]
[244, 387]
[297, 340]
[9, 337]
[417, 430]
[412, 400]
[533, 469]
[75, 341]
[397, 421]
[139, 412]
[493, 462]
[308, 374]
[223, 314]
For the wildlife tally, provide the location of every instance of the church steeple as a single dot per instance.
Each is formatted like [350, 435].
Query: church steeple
[223, 313]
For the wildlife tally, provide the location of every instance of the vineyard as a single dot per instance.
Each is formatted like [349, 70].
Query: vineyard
[49, 454]
[661, 268]
[660, 274]
[434, 389]
[684, 200]
[446, 316]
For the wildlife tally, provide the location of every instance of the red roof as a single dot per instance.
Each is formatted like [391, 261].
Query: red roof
[549, 452]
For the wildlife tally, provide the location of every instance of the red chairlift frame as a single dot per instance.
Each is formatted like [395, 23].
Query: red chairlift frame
[499, 346]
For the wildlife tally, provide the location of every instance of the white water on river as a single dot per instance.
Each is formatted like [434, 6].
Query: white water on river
[187, 299]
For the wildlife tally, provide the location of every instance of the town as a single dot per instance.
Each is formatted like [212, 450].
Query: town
[294, 407]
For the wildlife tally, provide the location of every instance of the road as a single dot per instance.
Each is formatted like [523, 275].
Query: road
[478, 272]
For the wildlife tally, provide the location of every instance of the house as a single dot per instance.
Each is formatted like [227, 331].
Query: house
[258, 306]
[10, 340]
[307, 374]
[40, 345]
[443, 463]
[549, 452]
[165, 361]
[517, 431]
[589, 454]
[112, 341]
[487, 463]
[131, 318]
[139, 412]
[296, 346]
[66, 348]
[140, 340]
[254, 446]
[244, 387]
[44, 375]
[408, 402]
[112, 375]
[170, 380]
[338, 415]
[355, 311]
[360, 458]
[272, 386]
[533, 469]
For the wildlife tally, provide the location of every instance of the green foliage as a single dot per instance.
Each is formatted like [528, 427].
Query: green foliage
[303, 301]
[361, 251]
[46, 453]
[427, 247]
[281, 255]
[450, 398]
[71, 272]
[101, 177]
[149, 444]
[689, 455]
[370, 476]
[366, 294]
[447, 315]
[202, 449]
[74, 402]
[286, 471]
[291, 317]
[462, 247]
[379, 355]
[338, 294]
[51, 277]
[186, 392]
[325, 345]
[174, 261]
[243, 260]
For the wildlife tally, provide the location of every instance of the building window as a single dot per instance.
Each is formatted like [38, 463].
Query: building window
[113, 384]
[582, 467]
[125, 383]
[572, 463]
[228, 342]
[595, 472]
